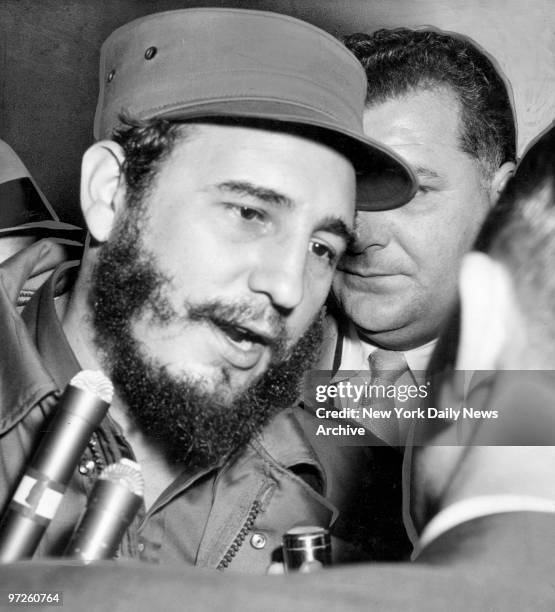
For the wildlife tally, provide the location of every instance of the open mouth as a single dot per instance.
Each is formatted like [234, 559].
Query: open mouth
[240, 346]
[241, 335]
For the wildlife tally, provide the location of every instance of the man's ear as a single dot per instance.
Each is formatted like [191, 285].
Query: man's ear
[102, 187]
[500, 179]
[487, 312]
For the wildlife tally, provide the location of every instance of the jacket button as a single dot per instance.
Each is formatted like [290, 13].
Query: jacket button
[258, 541]
[150, 53]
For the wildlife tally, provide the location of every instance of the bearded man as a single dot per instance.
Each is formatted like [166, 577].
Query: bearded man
[482, 487]
[218, 204]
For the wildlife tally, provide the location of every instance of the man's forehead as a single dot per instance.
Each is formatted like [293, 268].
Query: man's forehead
[252, 150]
[426, 112]
[282, 170]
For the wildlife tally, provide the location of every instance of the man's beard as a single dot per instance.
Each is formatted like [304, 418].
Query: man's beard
[189, 423]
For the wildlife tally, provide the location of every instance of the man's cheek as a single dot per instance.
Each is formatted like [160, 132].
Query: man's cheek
[317, 286]
[299, 324]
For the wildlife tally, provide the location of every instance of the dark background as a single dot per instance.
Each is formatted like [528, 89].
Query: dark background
[49, 62]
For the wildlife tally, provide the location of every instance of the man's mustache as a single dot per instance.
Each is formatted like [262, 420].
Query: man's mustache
[268, 329]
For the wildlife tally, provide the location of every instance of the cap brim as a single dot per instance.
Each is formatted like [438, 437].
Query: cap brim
[44, 227]
[385, 180]
[23, 210]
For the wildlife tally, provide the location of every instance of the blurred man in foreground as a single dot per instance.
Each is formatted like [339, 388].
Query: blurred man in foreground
[489, 544]
[507, 298]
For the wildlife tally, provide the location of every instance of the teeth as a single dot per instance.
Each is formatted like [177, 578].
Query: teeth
[241, 332]
[240, 338]
[239, 335]
[236, 333]
[245, 344]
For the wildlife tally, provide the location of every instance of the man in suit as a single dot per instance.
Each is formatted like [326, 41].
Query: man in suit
[441, 103]
[485, 493]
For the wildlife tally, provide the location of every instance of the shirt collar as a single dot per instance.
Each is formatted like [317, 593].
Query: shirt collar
[356, 352]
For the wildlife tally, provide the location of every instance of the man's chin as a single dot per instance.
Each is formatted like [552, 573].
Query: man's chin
[378, 317]
[222, 380]
[378, 320]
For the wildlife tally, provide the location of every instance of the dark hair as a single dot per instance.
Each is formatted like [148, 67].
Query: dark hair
[146, 144]
[520, 230]
[403, 60]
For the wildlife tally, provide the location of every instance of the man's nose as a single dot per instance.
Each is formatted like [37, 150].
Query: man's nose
[371, 230]
[280, 274]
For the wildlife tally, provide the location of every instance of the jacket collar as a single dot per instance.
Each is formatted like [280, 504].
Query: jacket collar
[286, 442]
[282, 441]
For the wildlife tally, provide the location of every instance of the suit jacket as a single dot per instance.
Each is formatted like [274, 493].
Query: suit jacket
[374, 521]
[498, 562]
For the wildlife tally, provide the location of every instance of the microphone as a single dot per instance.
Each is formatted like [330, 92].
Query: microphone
[80, 411]
[111, 507]
[306, 549]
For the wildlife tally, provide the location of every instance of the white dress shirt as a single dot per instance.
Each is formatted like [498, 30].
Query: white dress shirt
[356, 351]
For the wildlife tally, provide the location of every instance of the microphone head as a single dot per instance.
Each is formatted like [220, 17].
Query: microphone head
[126, 473]
[94, 382]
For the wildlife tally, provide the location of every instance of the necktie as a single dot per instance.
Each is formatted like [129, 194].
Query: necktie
[387, 369]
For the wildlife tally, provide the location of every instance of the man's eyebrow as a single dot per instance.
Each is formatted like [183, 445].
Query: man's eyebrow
[426, 173]
[337, 226]
[244, 188]
[334, 225]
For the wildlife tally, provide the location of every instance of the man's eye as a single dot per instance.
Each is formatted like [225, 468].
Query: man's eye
[250, 214]
[323, 251]
[247, 213]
